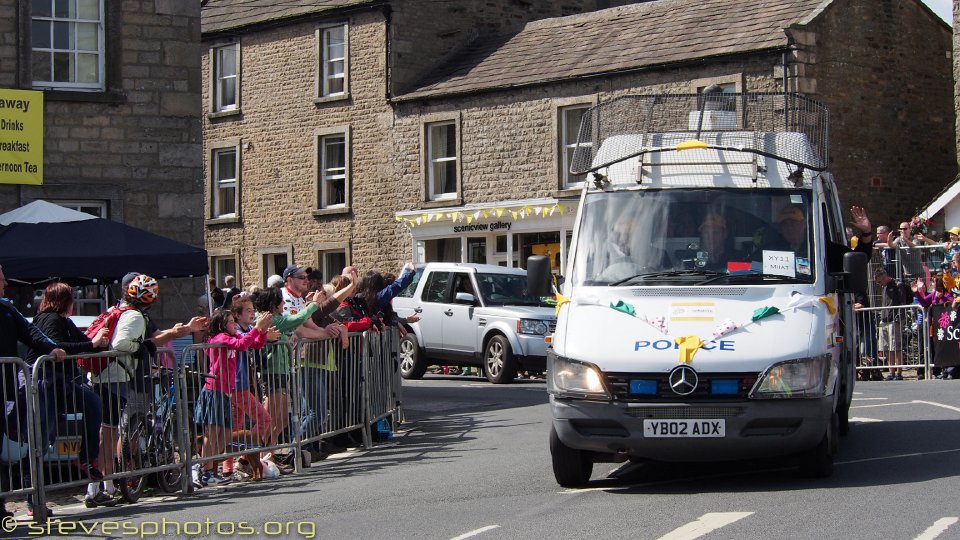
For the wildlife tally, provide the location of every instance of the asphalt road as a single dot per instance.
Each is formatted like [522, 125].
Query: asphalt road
[472, 462]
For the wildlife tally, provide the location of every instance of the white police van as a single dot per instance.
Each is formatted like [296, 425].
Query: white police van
[706, 313]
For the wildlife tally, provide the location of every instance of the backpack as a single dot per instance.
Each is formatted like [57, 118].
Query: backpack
[108, 319]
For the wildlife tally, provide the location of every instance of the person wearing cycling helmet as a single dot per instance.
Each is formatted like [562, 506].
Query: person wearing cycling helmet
[121, 385]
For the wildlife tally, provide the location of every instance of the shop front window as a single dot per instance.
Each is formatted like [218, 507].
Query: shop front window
[442, 250]
[477, 250]
[542, 243]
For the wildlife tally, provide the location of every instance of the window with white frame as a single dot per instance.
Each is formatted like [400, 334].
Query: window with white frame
[225, 70]
[569, 125]
[333, 170]
[333, 60]
[332, 262]
[224, 266]
[67, 44]
[442, 160]
[727, 103]
[224, 183]
[273, 264]
[94, 208]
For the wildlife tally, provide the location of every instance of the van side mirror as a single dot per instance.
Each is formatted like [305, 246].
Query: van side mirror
[854, 277]
[538, 276]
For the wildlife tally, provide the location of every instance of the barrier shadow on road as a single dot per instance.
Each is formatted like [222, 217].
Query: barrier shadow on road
[873, 455]
[426, 401]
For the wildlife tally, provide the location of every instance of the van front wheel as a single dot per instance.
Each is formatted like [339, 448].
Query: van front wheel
[571, 467]
[498, 362]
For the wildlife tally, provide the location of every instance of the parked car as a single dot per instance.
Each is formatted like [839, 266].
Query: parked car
[473, 315]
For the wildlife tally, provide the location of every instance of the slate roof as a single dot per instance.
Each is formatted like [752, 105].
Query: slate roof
[221, 15]
[618, 39]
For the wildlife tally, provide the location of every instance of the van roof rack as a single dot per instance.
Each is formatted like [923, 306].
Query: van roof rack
[626, 127]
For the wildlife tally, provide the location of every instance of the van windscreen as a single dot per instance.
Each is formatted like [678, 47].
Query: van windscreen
[695, 237]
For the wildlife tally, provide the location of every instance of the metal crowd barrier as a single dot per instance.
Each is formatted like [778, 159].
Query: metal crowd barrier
[351, 389]
[135, 429]
[383, 376]
[15, 453]
[277, 393]
[896, 337]
[333, 383]
[906, 264]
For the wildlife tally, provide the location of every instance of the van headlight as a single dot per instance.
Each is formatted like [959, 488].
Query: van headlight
[532, 326]
[798, 378]
[572, 378]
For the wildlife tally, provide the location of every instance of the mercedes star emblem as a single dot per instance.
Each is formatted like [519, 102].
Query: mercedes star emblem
[683, 380]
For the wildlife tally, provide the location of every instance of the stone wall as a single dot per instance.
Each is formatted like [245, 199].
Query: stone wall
[276, 129]
[883, 68]
[137, 145]
[508, 139]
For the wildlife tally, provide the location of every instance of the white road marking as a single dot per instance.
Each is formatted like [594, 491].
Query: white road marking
[935, 404]
[914, 402]
[870, 399]
[705, 524]
[898, 456]
[865, 420]
[937, 528]
[882, 405]
[476, 532]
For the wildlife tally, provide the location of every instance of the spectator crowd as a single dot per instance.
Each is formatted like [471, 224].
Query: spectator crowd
[910, 268]
[246, 378]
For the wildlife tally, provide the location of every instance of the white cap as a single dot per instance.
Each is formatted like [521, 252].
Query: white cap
[275, 281]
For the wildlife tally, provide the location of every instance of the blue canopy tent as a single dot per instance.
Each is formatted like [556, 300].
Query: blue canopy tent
[41, 241]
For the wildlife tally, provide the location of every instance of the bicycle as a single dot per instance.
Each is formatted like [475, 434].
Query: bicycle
[151, 440]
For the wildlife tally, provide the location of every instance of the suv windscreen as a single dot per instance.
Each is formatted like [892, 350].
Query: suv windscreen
[695, 237]
[506, 290]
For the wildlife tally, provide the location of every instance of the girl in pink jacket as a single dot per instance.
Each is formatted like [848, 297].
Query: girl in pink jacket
[213, 404]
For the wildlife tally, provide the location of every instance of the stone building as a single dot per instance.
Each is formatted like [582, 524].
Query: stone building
[371, 132]
[121, 119]
[298, 133]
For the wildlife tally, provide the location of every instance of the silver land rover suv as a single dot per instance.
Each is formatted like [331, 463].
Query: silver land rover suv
[473, 315]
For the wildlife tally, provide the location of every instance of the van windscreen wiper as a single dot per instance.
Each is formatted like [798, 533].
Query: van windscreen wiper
[646, 276]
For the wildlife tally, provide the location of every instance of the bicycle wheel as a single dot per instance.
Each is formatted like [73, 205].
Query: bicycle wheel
[134, 444]
[166, 453]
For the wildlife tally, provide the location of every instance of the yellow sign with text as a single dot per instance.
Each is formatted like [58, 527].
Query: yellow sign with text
[21, 137]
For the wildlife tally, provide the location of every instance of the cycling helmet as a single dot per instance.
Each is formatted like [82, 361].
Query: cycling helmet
[143, 289]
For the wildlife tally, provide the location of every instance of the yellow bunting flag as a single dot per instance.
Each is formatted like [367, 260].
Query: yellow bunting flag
[830, 302]
[689, 345]
[561, 300]
[499, 212]
[469, 220]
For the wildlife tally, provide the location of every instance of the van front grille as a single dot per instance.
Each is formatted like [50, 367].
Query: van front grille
[619, 386]
[683, 413]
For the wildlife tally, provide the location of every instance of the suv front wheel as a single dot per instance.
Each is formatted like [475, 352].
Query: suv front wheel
[412, 363]
[499, 365]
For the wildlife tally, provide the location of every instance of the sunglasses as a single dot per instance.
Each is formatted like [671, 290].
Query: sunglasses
[299, 277]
